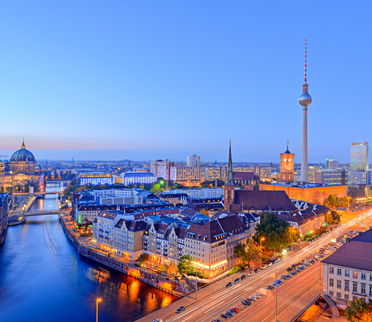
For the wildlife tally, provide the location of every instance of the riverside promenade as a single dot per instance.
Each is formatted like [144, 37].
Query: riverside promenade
[85, 249]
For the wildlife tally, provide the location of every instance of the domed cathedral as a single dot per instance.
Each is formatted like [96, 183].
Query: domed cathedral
[22, 161]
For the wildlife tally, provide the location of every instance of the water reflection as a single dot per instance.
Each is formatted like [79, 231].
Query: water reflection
[42, 278]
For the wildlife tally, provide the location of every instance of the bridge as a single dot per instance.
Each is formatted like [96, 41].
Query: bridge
[42, 212]
[38, 193]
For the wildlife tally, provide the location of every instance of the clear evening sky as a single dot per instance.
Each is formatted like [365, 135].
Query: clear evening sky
[166, 79]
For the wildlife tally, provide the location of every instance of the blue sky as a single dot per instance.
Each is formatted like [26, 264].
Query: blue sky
[165, 79]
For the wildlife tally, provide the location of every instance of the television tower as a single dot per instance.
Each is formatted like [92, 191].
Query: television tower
[305, 101]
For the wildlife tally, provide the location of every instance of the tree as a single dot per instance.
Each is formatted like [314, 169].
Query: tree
[185, 265]
[162, 268]
[333, 217]
[359, 311]
[144, 258]
[248, 251]
[171, 269]
[276, 232]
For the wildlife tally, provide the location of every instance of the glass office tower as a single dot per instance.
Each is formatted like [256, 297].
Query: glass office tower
[359, 156]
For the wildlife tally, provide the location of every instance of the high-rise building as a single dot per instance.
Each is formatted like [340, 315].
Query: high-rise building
[331, 164]
[193, 160]
[286, 166]
[359, 156]
[305, 100]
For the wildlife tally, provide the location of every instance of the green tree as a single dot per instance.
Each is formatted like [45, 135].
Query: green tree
[143, 258]
[248, 251]
[276, 232]
[333, 217]
[185, 265]
[359, 311]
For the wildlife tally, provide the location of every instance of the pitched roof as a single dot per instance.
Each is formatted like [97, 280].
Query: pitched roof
[245, 176]
[217, 229]
[354, 254]
[262, 200]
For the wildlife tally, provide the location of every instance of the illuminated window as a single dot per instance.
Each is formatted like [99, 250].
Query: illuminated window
[355, 274]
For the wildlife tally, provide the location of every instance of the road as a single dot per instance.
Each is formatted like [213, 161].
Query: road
[216, 299]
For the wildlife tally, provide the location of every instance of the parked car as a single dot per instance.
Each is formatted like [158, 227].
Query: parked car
[237, 280]
[225, 316]
[229, 284]
[246, 303]
[235, 309]
[181, 309]
[243, 277]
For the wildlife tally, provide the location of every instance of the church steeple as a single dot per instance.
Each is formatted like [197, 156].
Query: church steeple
[23, 144]
[229, 176]
[229, 189]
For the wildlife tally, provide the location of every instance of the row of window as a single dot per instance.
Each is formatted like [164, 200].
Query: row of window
[347, 286]
[363, 276]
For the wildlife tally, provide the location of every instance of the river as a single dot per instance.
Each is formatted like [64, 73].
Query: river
[43, 278]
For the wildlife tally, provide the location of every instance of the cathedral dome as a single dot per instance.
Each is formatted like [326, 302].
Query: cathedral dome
[22, 161]
[22, 155]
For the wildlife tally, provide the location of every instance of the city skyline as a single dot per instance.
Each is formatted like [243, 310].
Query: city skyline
[73, 82]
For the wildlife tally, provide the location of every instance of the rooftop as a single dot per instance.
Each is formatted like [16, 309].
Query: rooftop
[354, 254]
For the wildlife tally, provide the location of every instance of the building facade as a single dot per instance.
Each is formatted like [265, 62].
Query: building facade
[359, 156]
[347, 273]
[313, 193]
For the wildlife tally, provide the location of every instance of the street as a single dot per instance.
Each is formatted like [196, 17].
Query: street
[293, 296]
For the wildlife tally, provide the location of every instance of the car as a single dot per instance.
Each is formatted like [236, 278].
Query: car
[258, 295]
[237, 280]
[243, 277]
[276, 260]
[181, 309]
[235, 309]
[251, 273]
[257, 270]
[158, 320]
[263, 266]
[246, 303]
[225, 316]
[230, 312]
[216, 320]
[229, 284]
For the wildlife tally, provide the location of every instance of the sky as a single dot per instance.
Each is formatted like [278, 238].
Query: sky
[106, 80]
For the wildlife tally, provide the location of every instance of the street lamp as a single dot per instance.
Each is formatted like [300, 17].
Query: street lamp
[276, 300]
[97, 301]
[261, 240]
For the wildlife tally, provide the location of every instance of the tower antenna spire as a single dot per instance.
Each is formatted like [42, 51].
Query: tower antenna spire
[305, 60]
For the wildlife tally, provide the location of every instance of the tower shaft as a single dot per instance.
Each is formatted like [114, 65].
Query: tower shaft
[304, 163]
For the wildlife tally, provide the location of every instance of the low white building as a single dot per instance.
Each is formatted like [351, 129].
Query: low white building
[347, 273]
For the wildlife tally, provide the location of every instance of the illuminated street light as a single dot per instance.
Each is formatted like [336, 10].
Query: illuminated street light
[97, 301]
[261, 240]
[276, 300]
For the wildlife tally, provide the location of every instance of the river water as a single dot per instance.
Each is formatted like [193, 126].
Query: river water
[43, 278]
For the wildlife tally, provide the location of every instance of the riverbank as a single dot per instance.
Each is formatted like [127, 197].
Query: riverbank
[85, 249]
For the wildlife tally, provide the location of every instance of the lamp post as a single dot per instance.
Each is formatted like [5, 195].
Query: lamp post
[97, 301]
[196, 282]
[261, 239]
[276, 300]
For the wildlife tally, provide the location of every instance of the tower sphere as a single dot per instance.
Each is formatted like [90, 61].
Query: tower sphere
[305, 99]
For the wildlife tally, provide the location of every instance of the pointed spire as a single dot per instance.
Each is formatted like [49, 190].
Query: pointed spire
[287, 151]
[229, 176]
[23, 144]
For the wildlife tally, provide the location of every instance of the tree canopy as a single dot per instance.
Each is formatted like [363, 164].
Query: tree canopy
[278, 233]
[359, 311]
[248, 251]
[185, 265]
[333, 201]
